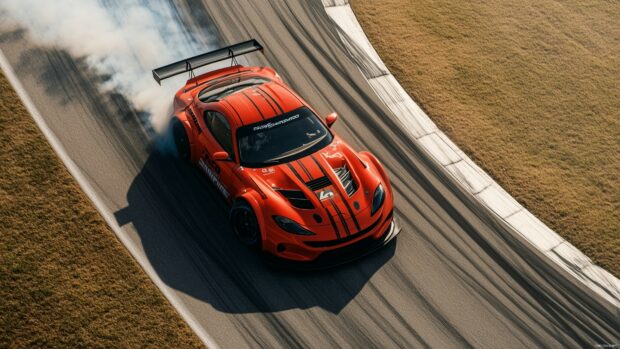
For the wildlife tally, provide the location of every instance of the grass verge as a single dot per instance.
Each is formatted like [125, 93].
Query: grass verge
[65, 279]
[530, 90]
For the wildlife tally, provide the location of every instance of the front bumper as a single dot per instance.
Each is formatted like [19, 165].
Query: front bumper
[336, 257]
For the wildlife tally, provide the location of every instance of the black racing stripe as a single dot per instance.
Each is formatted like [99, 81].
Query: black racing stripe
[295, 172]
[303, 167]
[331, 219]
[319, 165]
[346, 204]
[344, 223]
[272, 99]
[342, 197]
[259, 91]
[333, 222]
[235, 110]
[293, 93]
[255, 106]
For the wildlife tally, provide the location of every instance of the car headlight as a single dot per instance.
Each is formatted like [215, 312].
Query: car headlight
[291, 226]
[377, 199]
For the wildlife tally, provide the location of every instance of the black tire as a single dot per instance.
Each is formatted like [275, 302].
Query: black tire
[244, 224]
[181, 140]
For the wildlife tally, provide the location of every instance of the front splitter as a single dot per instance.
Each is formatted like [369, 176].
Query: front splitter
[337, 257]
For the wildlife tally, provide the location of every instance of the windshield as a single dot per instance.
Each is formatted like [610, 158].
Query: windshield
[284, 138]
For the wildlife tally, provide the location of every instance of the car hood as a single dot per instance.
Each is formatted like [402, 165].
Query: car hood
[332, 184]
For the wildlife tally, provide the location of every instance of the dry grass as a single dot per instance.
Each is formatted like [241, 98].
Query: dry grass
[65, 280]
[530, 90]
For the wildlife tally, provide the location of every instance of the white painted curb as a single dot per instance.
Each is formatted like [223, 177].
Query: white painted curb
[107, 215]
[423, 131]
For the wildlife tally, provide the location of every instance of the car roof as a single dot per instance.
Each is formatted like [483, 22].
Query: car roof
[260, 102]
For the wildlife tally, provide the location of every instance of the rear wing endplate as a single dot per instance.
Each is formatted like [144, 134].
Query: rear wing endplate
[189, 64]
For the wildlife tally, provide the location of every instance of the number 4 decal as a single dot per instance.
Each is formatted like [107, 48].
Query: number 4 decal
[326, 194]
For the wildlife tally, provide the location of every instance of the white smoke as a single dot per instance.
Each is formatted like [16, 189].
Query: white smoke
[122, 39]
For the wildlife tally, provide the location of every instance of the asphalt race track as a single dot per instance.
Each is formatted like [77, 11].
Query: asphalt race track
[455, 276]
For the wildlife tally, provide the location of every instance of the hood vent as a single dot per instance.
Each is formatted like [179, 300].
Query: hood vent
[345, 178]
[318, 183]
[297, 198]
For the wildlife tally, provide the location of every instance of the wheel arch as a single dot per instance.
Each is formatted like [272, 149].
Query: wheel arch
[252, 198]
[182, 118]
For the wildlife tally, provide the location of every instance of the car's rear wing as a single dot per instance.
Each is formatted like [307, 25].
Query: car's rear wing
[189, 64]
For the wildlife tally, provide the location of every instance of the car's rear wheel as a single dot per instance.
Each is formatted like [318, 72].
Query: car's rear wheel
[181, 140]
[244, 223]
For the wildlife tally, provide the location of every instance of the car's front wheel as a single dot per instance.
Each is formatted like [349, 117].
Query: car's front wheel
[244, 224]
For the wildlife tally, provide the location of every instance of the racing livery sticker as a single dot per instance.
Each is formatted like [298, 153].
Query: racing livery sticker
[267, 171]
[213, 177]
[326, 194]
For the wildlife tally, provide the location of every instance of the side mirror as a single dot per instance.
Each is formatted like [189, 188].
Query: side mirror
[331, 118]
[220, 156]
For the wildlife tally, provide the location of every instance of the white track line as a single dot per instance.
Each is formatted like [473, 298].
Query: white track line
[101, 207]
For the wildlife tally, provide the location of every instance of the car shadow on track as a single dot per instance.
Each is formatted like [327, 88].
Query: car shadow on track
[183, 226]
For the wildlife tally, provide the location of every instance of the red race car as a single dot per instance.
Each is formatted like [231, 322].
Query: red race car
[297, 191]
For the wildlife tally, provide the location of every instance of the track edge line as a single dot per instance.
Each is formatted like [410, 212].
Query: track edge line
[532, 229]
[99, 205]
